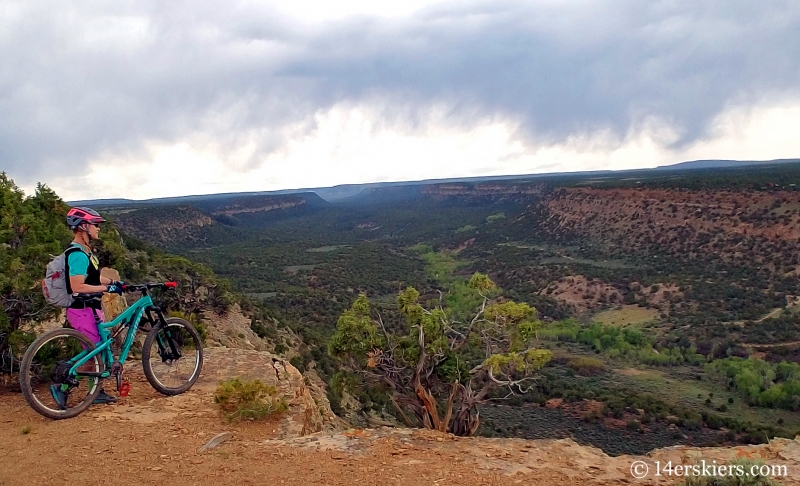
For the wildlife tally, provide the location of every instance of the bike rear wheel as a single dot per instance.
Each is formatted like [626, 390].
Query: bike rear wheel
[46, 365]
[172, 356]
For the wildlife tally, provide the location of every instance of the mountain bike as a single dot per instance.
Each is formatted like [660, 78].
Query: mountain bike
[172, 357]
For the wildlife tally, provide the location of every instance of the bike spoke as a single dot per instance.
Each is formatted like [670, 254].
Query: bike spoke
[173, 370]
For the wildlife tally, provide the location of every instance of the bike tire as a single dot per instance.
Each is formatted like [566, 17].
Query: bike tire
[172, 323]
[26, 375]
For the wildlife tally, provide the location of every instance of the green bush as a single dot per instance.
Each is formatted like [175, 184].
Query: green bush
[762, 383]
[492, 218]
[618, 343]
[194, 320]
[280, 347]
[587, 366]
[264, 330]
[298, 363]
[32, 231]
[249, 400]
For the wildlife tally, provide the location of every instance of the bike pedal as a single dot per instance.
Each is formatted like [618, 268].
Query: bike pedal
[124, 388]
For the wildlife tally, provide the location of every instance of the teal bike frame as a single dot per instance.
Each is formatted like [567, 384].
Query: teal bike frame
[131, 319]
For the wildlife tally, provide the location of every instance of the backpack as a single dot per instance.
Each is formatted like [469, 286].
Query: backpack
[55, 285]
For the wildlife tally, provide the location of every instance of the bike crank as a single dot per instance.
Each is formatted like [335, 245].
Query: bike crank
[123, 385]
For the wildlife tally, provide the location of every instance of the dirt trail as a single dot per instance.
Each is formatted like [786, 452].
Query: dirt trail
[148, 438]
[151, 439]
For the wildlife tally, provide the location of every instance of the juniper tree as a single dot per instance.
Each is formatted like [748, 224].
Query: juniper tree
[438, 369]
[32, 229]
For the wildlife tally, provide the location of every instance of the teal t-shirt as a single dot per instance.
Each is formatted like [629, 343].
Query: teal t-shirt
[79, 261]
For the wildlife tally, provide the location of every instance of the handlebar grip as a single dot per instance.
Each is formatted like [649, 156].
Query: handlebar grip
[170, 285]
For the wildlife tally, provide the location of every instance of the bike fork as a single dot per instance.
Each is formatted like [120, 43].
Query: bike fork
[167, 348]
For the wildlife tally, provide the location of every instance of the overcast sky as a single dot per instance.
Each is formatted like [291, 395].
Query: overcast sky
[143, 99]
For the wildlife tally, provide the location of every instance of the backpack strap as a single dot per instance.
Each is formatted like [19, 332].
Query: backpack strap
[66, 266]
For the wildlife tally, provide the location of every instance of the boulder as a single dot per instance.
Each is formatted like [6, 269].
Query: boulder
[305, 415]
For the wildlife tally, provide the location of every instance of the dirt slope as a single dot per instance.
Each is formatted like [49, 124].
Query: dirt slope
[151, 439]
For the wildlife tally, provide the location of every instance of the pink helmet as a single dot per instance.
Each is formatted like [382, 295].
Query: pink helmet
[76, 216]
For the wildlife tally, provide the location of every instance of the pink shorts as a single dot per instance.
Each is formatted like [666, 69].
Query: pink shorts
[83, 320]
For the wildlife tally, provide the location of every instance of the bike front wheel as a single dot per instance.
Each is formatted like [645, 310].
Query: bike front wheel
[172, 356]
[44, 377]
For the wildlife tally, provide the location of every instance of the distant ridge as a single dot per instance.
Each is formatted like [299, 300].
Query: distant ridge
[722, 164]
[348, 191]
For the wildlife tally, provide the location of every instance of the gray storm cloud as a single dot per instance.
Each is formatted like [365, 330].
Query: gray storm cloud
[81, 80]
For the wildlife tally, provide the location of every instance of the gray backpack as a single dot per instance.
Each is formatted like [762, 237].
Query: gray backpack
[55, 285]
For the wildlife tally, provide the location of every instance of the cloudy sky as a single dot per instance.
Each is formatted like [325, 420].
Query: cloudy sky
[144, 99]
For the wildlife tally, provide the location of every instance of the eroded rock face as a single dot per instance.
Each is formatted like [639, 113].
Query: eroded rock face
[318, 390]
[259, 204]
[306, 414]
[679, 221]
[232, 330]
[164, 228]
[562, 461]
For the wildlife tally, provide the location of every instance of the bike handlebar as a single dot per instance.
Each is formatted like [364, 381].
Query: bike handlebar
[137, 288]
[127, 288]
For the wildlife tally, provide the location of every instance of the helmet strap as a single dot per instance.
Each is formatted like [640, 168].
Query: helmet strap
[87, 238]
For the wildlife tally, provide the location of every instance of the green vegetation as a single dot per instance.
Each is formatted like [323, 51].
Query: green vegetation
[492, 218]
[438, 370]
[709, 305]
[762, 383]
[194, 320]
[629, 343]
[627, 315]
[587, 366]
[459, 299]
[33, 231]
[248, 400]
[667, 307]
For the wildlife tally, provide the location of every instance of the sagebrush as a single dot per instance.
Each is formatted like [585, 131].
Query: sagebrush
[248, 400]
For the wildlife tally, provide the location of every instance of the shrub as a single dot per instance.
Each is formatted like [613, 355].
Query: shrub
[249, 400]
[495, 217]
[298, 363]
[264, 330]
[194, 320]
[280, 347]
[587, 366]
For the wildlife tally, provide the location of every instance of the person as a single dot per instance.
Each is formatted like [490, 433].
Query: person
[83, 269]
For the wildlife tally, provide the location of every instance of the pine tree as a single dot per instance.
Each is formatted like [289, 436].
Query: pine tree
[32, 231]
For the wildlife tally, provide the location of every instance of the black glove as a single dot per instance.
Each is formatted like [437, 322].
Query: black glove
[114, 289]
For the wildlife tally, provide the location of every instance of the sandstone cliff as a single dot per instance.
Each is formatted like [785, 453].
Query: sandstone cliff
[680, 222]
